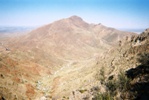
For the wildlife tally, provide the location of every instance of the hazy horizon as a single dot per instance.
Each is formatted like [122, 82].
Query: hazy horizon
[13, 29]
[120, 14]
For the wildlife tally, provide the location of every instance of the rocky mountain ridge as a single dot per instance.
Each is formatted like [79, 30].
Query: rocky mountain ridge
[61, 60]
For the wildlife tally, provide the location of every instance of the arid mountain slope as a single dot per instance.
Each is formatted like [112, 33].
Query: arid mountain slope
[55, 60]
[125, 74]
[70, 38]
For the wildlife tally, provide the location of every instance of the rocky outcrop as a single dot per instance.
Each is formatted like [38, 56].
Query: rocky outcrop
[130, 59]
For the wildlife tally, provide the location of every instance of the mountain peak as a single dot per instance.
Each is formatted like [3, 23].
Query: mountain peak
[76, 18]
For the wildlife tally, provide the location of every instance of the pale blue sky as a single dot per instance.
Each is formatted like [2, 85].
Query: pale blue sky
[112, 13]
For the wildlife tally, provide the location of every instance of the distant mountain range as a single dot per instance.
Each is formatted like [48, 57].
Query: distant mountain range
[14, 29]
[133, 30]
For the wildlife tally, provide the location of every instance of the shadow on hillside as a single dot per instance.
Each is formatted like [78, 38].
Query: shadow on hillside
[139, 86]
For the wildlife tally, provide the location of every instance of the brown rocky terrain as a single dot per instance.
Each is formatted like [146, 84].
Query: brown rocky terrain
[125, 71]
[62, 60]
